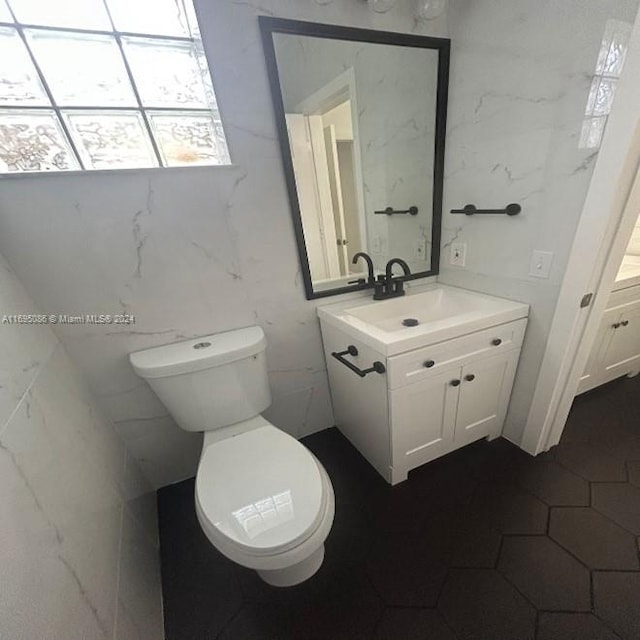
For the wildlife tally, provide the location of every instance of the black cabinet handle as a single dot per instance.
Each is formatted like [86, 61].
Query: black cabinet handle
[377, 366]
[455, 383]
[624, 323]
[470, 377]
[496, 342]
[616, 325]
[429, 364]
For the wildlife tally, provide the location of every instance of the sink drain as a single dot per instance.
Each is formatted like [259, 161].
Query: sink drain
[410, 322]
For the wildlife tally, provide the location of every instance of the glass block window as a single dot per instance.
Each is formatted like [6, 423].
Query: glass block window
[611, 56]
[105, 84]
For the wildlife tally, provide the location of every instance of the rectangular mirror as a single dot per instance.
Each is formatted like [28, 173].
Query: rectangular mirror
[361, 117]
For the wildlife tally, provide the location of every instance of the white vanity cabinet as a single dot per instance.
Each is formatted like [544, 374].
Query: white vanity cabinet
[429, 401]
[616, 350]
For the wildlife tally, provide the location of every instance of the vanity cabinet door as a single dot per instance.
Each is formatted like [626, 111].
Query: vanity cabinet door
[622, 353]
[423, 418]
[484, 395]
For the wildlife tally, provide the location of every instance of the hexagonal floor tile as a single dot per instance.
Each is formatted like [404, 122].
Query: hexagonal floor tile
[594, 539]
[590, 462]
[553, 484]
[510, 510]
[633, 468]
[475, 543]
[618, 501]
[412, 624]
[408, 569]
[572, 626]
[546, 574]
[479, 604]
[615, 598]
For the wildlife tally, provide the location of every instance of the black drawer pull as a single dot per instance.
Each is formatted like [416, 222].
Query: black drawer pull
[429, 364]
[496, 342]
[377, 366]
[454, 383]
[616, 325]
[470, 377]
[624, 323]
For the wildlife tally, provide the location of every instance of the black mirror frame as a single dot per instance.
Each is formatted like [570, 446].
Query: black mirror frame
[268, 27]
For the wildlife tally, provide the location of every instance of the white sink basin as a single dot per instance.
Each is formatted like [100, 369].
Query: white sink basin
[441, 312]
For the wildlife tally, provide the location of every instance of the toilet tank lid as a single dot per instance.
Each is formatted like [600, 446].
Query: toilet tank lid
[198, 353]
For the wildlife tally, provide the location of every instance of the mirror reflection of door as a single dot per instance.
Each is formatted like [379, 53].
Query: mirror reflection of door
[325, 153]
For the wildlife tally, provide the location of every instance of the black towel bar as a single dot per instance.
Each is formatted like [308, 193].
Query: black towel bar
[512, 209]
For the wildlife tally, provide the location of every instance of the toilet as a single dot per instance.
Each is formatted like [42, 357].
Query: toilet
[261, 497]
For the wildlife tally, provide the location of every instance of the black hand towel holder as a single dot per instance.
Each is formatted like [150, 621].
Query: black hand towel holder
[512, 209]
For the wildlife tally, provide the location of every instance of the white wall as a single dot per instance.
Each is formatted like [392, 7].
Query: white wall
[520, 77]
[188, 251]
[78, 526]
[195, 251]
[634, 243]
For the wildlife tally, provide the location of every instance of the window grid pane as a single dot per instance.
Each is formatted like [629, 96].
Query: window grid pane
[111, 140]
[157, 17]
[82, 69]
[76, 14]
[5, 15]
[19, 81]
[82, 129]
[33, 141]
[188, 138]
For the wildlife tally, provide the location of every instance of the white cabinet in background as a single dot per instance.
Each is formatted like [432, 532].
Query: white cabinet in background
[429, 401]
[616, 350]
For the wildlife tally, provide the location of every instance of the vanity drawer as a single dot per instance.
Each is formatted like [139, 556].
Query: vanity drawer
[415, 365]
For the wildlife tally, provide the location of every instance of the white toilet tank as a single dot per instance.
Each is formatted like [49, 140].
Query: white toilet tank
[209, 382]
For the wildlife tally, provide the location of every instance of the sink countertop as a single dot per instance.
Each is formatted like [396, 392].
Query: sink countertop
[472, 311]
[628, 274]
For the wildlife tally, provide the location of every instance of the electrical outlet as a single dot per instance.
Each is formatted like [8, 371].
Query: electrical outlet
[421, 249]
[540, 266]
[458, 254]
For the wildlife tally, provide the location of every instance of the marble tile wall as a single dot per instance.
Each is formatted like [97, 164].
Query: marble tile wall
[520, 78]
[187, 251]
[200, 250]
[78, 524]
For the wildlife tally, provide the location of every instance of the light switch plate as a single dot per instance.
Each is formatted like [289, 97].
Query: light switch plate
[540, 266]
[458, 254]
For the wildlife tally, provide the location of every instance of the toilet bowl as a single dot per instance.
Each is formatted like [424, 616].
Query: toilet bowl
[261, 497]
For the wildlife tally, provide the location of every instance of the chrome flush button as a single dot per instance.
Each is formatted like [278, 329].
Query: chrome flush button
[201, 345]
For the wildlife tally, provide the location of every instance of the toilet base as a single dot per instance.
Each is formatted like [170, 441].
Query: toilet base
[295, 574]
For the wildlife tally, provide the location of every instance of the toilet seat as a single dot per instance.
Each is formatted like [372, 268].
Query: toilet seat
[260, 493]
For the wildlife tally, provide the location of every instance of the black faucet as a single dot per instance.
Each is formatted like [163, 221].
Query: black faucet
[371, 279]
[388, 286]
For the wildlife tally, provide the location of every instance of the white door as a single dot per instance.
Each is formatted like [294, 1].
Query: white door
[422, 421]
[484, 396]
[308, 154]
[335, 182]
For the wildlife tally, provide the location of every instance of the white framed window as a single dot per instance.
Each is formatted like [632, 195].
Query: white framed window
[105, 84]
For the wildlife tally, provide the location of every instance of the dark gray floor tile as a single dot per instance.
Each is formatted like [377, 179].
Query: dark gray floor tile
[409, 569]
[553, 484]
[546, 574]
[509, 509]
[479, 604]
[475, 543]
[593, 538]
[590, 462]
[259, 622]
[619, 502]
[572, 626]
[616, 599]
[412, 624]
[633, 469]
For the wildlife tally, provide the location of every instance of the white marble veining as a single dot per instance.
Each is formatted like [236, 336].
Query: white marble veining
[520, 78]
[199, 250]
[65, 485]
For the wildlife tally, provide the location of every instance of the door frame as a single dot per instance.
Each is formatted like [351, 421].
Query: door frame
[604, 229]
